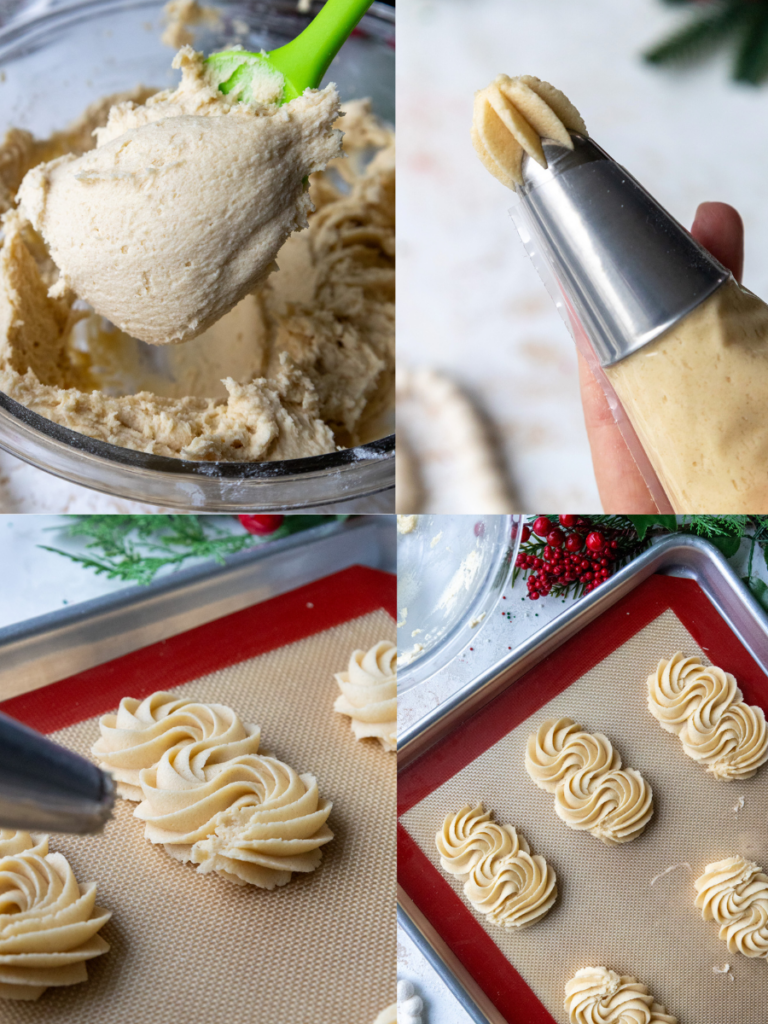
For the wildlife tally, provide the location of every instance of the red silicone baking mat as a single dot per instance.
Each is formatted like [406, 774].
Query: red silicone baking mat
[192, 947]
[613, 910]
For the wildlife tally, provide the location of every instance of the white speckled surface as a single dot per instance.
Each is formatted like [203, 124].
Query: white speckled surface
[469, 301]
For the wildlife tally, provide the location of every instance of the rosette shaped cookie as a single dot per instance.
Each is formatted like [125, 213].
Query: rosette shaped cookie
[682, 686]
[48, 923]
[511, 117]
[596, 995]
[561, 747]
[734, 894]
[369, 694]
[705, 708]
[252, 819]
[592, 792]
[504, 882]
[142, 731]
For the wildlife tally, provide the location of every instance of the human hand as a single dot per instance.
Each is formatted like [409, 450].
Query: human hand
[719, 228]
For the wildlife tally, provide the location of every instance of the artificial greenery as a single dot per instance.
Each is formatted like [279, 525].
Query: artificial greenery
[135, 548]
[740, 24]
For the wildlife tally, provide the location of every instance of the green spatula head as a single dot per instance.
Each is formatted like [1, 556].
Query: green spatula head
[300, 64]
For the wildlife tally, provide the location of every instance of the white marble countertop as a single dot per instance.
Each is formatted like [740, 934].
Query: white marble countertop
[490, 642]
[45, 582]
[469, 300]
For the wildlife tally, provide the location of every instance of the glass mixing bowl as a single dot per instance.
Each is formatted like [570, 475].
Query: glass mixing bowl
[451, 571]
[55, 59]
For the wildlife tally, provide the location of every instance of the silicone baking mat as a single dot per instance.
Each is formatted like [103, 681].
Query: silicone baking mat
[187, 947]
[619, 907]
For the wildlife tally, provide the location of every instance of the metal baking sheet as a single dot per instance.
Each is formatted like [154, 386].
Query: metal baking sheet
[688, 557]
[55, 646]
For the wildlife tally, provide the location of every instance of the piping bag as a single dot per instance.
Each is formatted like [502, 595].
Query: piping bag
[679, 347]
[45, 787]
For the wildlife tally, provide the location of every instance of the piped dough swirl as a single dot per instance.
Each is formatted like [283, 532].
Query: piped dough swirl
[510, 118]
[705, 708]
[592, 791]
[596, 995]
[142, 731]
[504, 881]
[734, 894]
[208, 794]
[48, 923]
[369, 694]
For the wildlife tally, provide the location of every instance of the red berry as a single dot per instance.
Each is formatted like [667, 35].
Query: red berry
[542, 526]
[555, 538]
[595, 541]
[533, 597]
[526, 534]
[584, 564]
[547, 552]
[567, 521]
[614, 545]
[261, 525]
[538, 562]
[479, 529]
[573, 542]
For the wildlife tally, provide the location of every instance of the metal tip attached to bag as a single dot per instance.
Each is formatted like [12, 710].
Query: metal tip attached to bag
[629, 269]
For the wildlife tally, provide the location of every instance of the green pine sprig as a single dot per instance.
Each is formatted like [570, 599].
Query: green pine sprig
[135, 548]
[743, 23]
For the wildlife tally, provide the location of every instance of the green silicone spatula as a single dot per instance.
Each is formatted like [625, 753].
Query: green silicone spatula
[302, 62]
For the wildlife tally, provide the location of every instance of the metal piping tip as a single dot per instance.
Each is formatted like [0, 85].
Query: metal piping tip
[45, 787]
[629, 269]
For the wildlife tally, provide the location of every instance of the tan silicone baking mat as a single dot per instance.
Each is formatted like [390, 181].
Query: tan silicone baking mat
[614, 910]
[187, 947]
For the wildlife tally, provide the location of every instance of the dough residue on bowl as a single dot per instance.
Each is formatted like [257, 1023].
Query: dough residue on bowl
[300, 367]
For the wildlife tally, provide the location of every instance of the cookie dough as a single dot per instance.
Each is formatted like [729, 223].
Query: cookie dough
[48, 922]
[142, 731]
[406, 524]
[705, 708]
[504, 882]
[369, 694]
[592, 791]
[597, 994]
[696, 397]
[208, 795]
[301, 367]
[734, 894]
[184, 204]
[511, 117]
